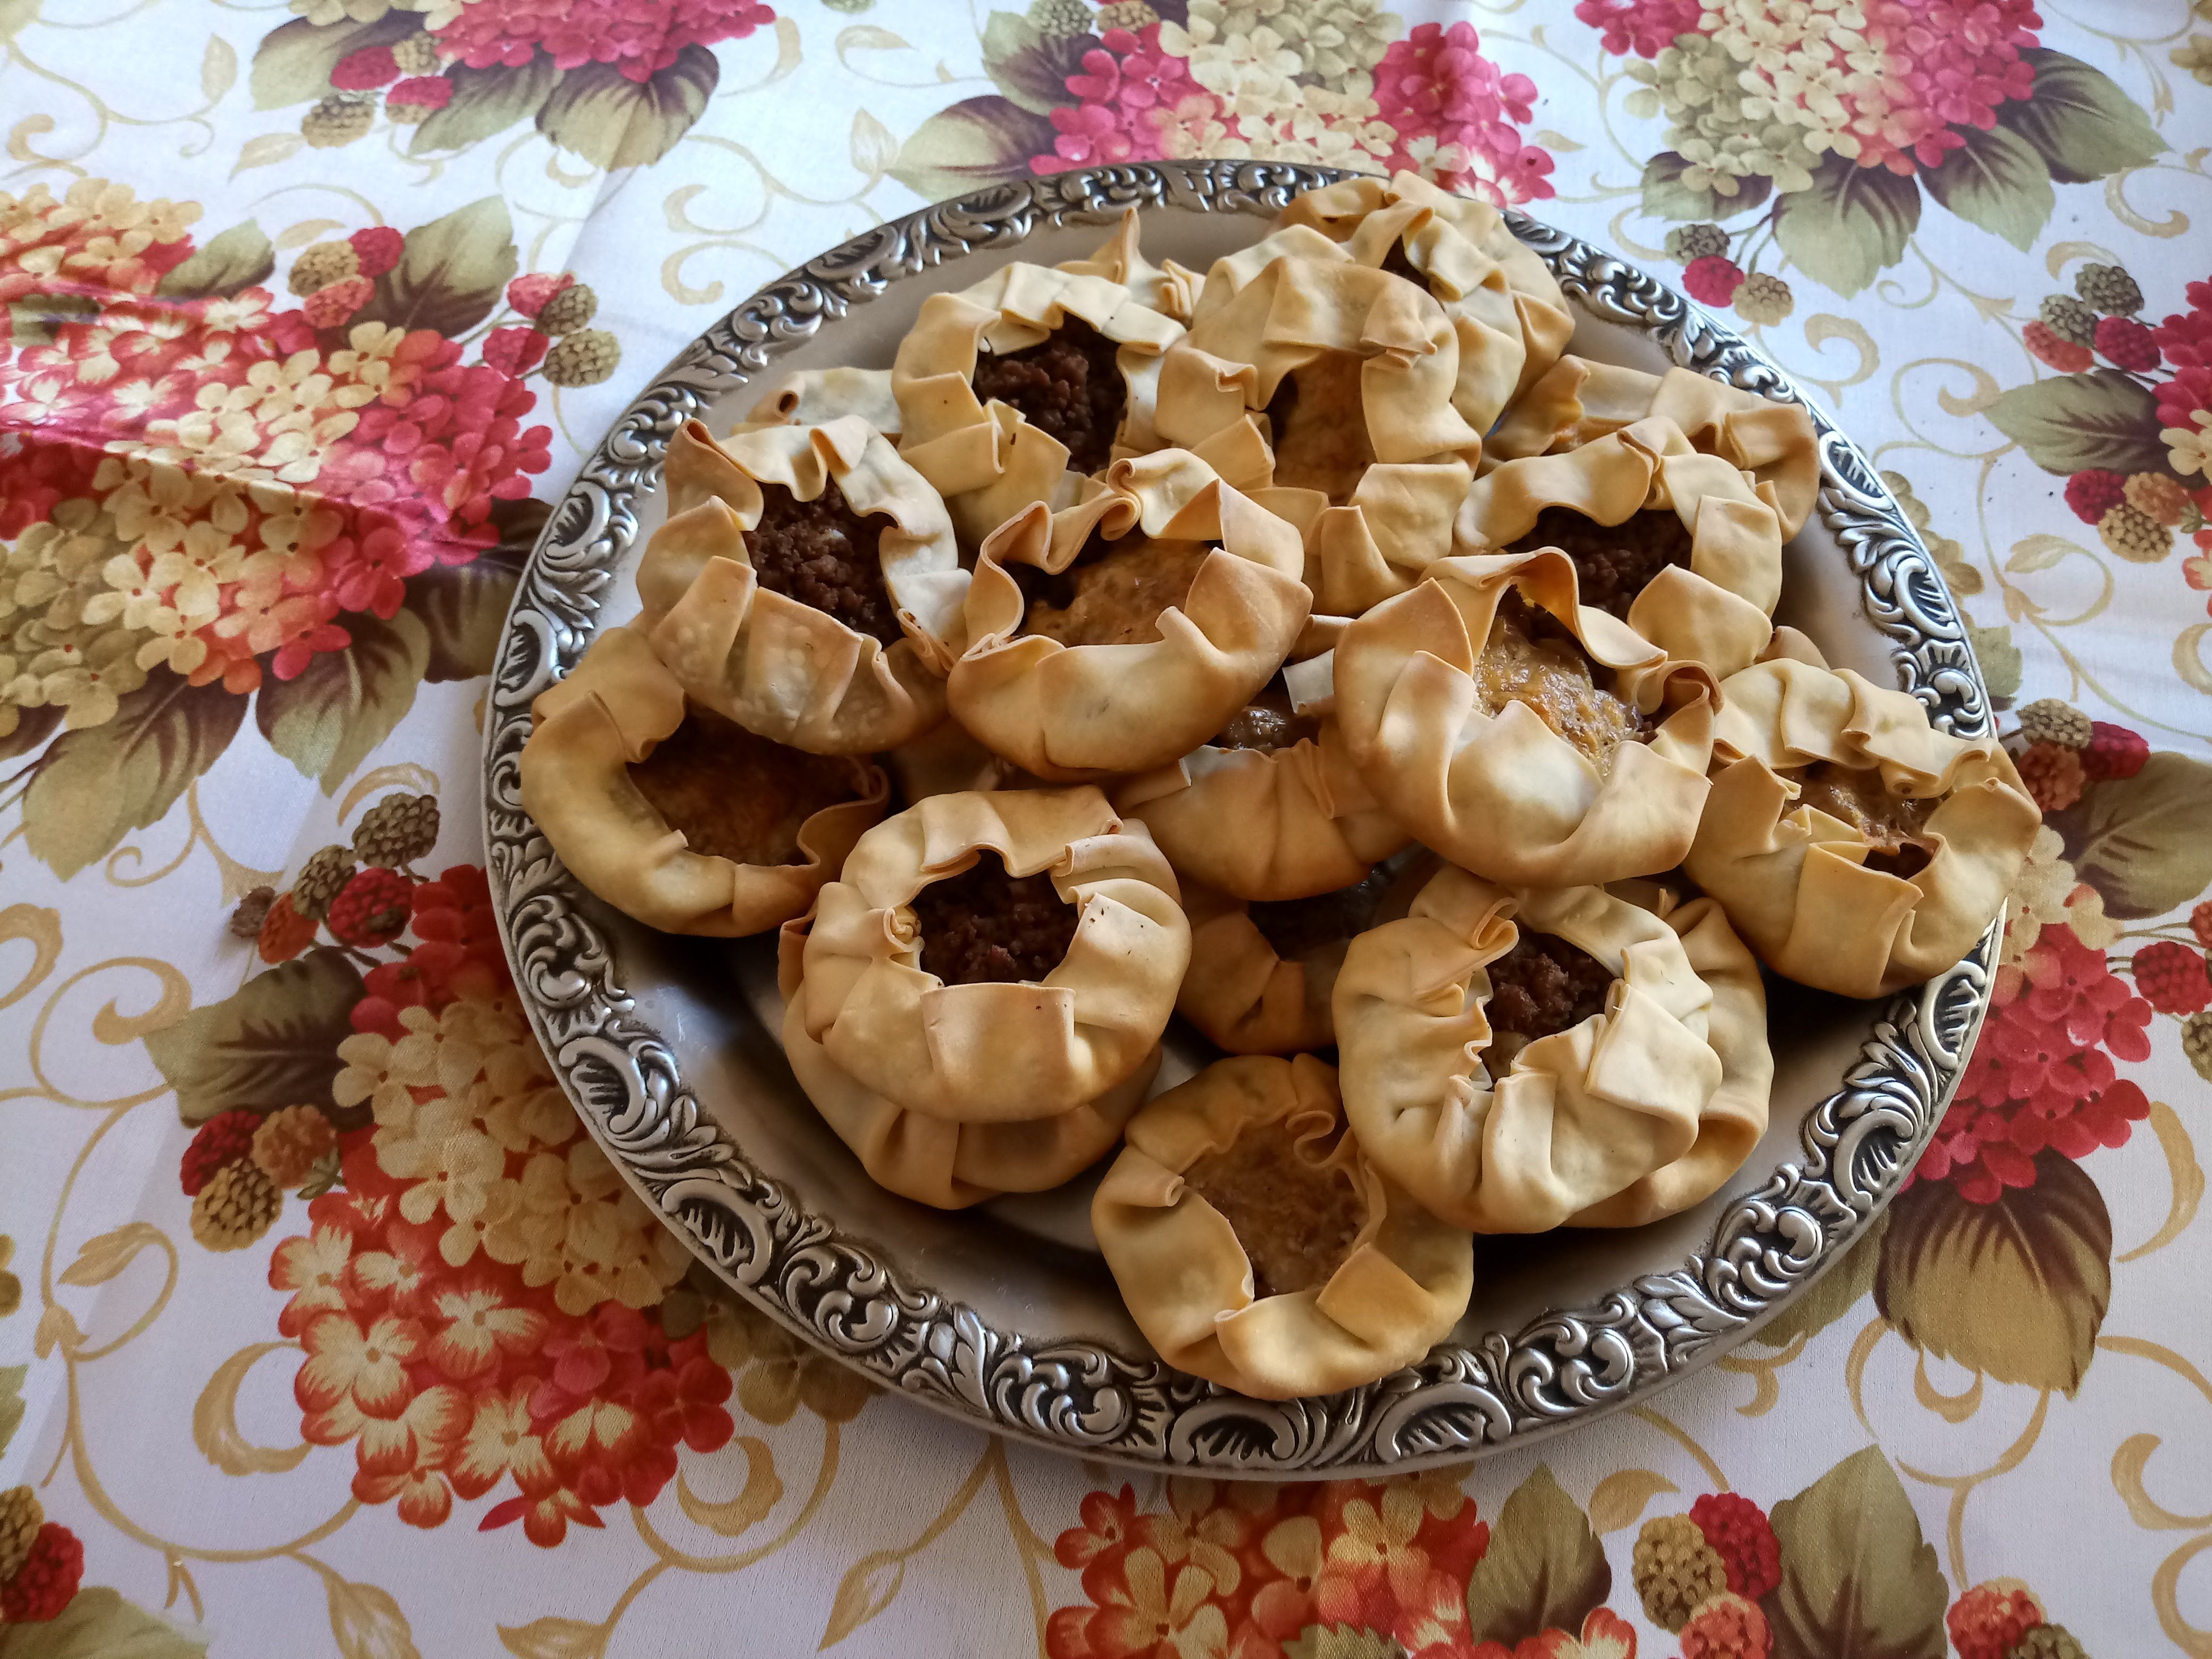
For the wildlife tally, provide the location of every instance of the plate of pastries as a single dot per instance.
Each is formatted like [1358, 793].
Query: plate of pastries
[1234, 815]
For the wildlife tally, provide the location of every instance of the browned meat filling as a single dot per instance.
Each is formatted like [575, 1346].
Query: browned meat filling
[1114, 593]
[1295, 928]
[1616, 562]
[1296, 1223]
[1532, 658]
[985, 924]
[823, 554]
[1319, 420]
[1542, 985]
[1891, 825]
[1267, 723]
[737, 796]
[1069, 386]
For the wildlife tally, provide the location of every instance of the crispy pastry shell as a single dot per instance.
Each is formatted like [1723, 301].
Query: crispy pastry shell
[1794, 878]
[989, 463]
[1073, 712]
[1285, 823]
[990, 1052]
[1578, 400]
[1580, 1117]
[1506, 795]
[1189, 1283]
[1718, 610]
[776, 665]
[1168, 287]
[612, 710]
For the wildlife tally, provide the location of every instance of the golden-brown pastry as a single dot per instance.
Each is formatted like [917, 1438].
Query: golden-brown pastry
[1521, 734]
[1121, 632]
[1578, 400]
[675, 816]
[1255, 1246]
[816, 397]
[1010, 391]
[1857, 848]
[1675, 543]
[995, 958]
[1515, 1078]
[806, 585]
[1270, 807]
[1342, 212]
[1167, 287]
[1260, 973]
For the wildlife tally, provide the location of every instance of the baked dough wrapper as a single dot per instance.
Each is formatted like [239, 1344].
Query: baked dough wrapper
[776, 665]
[1794, 878]
[995, 1052]
[1284, 823]
[1718, 610]
[1504, 795]
[1168, 287]
[1341, 211]
[988, 462]
[1076, 713]
[1188, 1284]
[1257, 322]
[1638, 1111]
[1578, 400]
[610, 712]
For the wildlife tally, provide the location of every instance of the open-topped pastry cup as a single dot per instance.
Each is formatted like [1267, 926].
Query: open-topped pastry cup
[1270, 807]
[1676, 544]
[1010, 390]
[1520, 733]
[1262, 973]
[1857, 848]
[1121, 632]
[675, 816]
[993, 957]
[806, 585]
[1520, 1059]
[1578, 401]
[1374, 214]
[1255, 1246]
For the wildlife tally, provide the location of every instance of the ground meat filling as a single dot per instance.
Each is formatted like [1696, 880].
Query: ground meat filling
[1267, 723]
[986, 926]
[1319, 420]
[1069, 386]
[736, 795]
[1615, 562]
[1298, 927]
[1542, 985]
[823, 554]
[1296, 1223]
[1114, 593]
[1530, 657]
[1891, 825]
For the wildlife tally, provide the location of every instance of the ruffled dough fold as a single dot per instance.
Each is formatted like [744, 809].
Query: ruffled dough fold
[1071, 713]
[1795, 879]
[1285, 823]
[1718, 611]
[1602, 1122]
[1189, 1285]
[989, 1052]
[615, 707]
[777, 665]
[1504, 794]
[987, 462]
[1578, 400]
[1168, 287]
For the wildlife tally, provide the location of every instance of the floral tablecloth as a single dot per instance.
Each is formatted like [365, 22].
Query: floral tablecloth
[323, 1328]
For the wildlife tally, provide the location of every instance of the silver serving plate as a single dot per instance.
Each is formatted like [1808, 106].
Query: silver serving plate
[1004, 1315]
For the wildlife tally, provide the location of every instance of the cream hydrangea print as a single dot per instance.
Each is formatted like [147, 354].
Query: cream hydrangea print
[1816, 131]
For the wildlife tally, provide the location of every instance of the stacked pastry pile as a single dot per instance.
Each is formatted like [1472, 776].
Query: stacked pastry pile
[1310, 649]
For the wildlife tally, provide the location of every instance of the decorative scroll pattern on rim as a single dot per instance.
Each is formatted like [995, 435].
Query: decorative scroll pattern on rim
[1074, 1395]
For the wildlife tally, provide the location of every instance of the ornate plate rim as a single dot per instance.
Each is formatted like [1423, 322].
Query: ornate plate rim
[1067, 1393]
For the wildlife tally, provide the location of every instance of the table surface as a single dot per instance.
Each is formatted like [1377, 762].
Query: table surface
[322, 1326]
